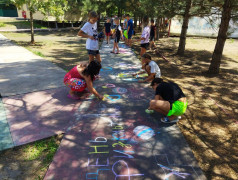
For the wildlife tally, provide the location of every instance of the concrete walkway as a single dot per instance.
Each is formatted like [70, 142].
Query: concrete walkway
[22, 71]
[110, 139]
[116, 139]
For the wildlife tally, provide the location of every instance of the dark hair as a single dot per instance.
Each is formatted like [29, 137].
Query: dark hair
[152, 21]
[156, 81]
[92, 69]
[127, 15]
[92, 14]
[145, 20]
[147, 56]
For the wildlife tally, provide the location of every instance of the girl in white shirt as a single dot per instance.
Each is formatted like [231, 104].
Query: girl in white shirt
[89, 30]
[145, 36]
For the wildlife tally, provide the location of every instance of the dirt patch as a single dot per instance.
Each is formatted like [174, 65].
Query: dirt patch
[210, 124]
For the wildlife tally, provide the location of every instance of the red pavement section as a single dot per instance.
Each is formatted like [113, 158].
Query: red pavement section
[39, 115]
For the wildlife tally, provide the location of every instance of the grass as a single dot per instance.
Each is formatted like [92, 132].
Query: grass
[36, 150]
[2, 24]
[38, 53]
[20, 24]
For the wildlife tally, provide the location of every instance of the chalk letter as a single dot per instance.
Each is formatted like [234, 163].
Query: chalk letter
[96, 149]
[96, 139]
[128, 170]
[124, 152]
[122, 145]
[118, 127]
[95, 177]
[98, 164]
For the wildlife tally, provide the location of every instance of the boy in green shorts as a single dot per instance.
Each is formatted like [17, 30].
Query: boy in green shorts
[169, 100]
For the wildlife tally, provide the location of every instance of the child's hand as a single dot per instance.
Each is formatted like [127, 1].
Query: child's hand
[100, 97]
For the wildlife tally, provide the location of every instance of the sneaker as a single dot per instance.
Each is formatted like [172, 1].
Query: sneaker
[166, 120]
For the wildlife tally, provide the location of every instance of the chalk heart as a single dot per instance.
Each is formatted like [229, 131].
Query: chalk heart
[112, 97]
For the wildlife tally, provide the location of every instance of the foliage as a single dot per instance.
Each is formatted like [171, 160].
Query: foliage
[54, 8]
[2, 24]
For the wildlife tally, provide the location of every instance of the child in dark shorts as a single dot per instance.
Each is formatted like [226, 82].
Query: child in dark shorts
[152, 34]
[117, 34]
[107, 30]
[145, 36]
[89, 31]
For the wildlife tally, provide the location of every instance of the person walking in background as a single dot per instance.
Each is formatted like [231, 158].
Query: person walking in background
[130, 30]
[89, 31]
[117, 35]
[152, 34]
[107, 30]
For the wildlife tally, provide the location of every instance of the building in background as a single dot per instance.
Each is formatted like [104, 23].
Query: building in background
[7, 10]
[207, 26]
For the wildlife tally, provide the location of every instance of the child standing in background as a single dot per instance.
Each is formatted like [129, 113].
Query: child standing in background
[152, 34]
[107, 30]
[117, 34]
[130, 30]
[89, 30]
[145, 36]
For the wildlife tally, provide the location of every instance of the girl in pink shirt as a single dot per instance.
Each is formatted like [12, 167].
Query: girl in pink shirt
[81, 77]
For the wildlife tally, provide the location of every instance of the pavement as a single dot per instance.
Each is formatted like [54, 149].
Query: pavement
[110, 139]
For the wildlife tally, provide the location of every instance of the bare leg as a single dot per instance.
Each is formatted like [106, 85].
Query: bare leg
[142, 51]
[98, 57]
[160, 106]
[114, 46]
[91, 57]
[117, 47]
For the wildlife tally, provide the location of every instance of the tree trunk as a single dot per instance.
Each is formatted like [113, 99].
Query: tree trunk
[135, 19]
[32, 28]
[182, 41]
[214, 67]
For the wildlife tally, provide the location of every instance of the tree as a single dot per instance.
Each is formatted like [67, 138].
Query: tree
[183, 34]
[55, 8]
[227, 8]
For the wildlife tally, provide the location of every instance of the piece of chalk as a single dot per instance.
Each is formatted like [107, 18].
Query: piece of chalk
[149, 111]
[104, 86]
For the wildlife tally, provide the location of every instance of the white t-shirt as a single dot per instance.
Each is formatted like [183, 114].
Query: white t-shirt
[145, 34]
[154, 68]
[91, 30]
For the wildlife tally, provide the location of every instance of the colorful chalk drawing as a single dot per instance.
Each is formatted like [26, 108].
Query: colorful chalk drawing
[106, 69]
[119, 90]
[144, 132]
[172, 172]
[112, 97]
[130, 79]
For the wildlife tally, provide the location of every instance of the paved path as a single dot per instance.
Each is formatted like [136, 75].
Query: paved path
[111, 139]
[116, 139]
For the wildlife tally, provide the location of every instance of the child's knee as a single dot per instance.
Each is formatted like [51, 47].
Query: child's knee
[152, 104]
